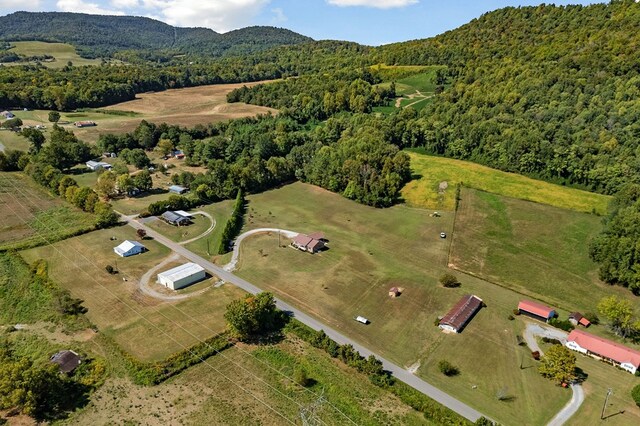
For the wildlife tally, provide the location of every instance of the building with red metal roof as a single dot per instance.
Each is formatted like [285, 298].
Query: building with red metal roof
[536, 310]
[615, 353]
[460, 315]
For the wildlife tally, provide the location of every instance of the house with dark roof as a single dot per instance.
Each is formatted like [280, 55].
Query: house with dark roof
[307, 243]
[606, 350]
[461, 313]
[67, 361]
[576, 318]
[175, 219]
[536, 310]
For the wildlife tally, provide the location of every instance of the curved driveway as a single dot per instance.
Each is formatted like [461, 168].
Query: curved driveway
[231, 266]
[205, 233]
[577, 399]
[144, 287]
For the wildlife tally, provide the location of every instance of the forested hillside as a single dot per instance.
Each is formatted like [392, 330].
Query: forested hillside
[97, 36]
[545, 91]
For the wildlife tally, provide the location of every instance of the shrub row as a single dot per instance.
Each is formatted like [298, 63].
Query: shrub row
[561, 324]
[377, 375]
[154, 373]
[174, 202]
[233, 226]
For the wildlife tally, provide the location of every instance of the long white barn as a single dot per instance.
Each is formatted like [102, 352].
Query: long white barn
[182, 276]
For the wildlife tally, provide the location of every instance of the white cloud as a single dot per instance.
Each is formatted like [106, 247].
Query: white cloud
[378, 4]
[220, 15]
[79, 6]
[23, 5]
[278, 16]
[124, 4]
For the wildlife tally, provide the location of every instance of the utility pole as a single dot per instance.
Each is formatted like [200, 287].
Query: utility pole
[278, 238]
[606, 400]
[208, 253]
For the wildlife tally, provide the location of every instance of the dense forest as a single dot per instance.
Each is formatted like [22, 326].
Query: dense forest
[99, 36]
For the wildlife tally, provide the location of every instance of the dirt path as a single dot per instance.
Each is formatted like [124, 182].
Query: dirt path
[205, 233]
[231, 266]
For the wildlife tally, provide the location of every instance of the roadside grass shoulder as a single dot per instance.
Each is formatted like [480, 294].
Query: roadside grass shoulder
[429, 171]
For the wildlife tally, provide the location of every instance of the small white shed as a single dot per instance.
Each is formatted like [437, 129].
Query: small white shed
[182, 276]
[129, 248]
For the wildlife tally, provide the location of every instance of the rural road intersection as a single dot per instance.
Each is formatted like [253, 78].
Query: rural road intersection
[398, 372]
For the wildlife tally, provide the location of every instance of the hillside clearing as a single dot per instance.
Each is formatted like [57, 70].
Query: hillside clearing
[62, 53]
[424, 191]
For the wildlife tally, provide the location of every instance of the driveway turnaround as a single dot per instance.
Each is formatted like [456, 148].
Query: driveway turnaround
[577, 399]
[398, 372]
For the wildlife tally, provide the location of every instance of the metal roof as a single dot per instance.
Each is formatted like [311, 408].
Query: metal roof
[128, 245]
[180, 272]
[462, 312]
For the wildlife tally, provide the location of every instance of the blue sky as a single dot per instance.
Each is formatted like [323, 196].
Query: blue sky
[365, 21]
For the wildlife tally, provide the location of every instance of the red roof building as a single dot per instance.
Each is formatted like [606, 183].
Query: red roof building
[576, 318]
[619, 355]
[460, 315]
[536, 310]
[307, 243]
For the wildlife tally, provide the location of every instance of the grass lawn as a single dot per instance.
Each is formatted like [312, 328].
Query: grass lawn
[372, 250]
[117, 307]
[221, 212]
[181, 233]
[535, 249]
[62, 53]
[13, 141]
[201, 395]
[424, 191]
[33, 216]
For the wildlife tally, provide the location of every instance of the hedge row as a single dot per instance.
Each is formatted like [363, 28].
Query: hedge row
[174, 202]
[234, 225]
[371, 366]
[154, 373]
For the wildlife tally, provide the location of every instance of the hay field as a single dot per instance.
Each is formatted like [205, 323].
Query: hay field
[62, 53]
[424, 191]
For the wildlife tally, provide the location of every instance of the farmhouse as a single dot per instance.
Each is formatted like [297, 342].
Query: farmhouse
[97, 165]
[176, 219]
[182, 276]
[307, 243]
[85, 123]
[460, 315]
[536, 310]
[178, 154]
[7, 114]
[129, 248]
[177, 189]
[576, 318]
[619, 355]
[67, 361]
[394, 292]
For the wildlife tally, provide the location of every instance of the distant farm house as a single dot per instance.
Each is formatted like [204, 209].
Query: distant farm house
[129, 248]
[7, 114]
[312, 243]
[97, 165]
[177, 189]
[67, 361]
[619, 355]
[394, 292]
[81, 124]
[460, 315]
[536, 310]
[182, 276]
[178, 154]
[177, 218]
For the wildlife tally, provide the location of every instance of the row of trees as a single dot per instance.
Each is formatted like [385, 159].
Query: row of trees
[234, 224]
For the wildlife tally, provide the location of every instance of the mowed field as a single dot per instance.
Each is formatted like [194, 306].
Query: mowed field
[248, 385]
[430, 172]
[30, 215]
[538, 250]
[145, 327]
[62, 53]
[372, 250]
[184, 107]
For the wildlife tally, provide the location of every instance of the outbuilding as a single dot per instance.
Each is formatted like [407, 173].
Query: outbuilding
[182, 276]
[97, 165]
[394, 292]
[67, 361]
[81, 124]
[536, 310]
[177, 189]
[176, 219]
[7, 114]
[129, 248]
[576, 318]
[461, 313]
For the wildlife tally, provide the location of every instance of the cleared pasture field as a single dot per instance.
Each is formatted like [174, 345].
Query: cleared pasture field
[431, 171]
[116, 306]
[12, 140]
[62, 53]
[372, 250]
[30, 215]
[538, 250]
[202, 396]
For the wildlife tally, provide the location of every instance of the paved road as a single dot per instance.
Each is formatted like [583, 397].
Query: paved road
[231, 266]
[531, 331]
[399, 372]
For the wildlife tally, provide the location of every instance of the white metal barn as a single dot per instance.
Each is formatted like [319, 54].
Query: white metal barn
[182, 276]
[129, 248]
